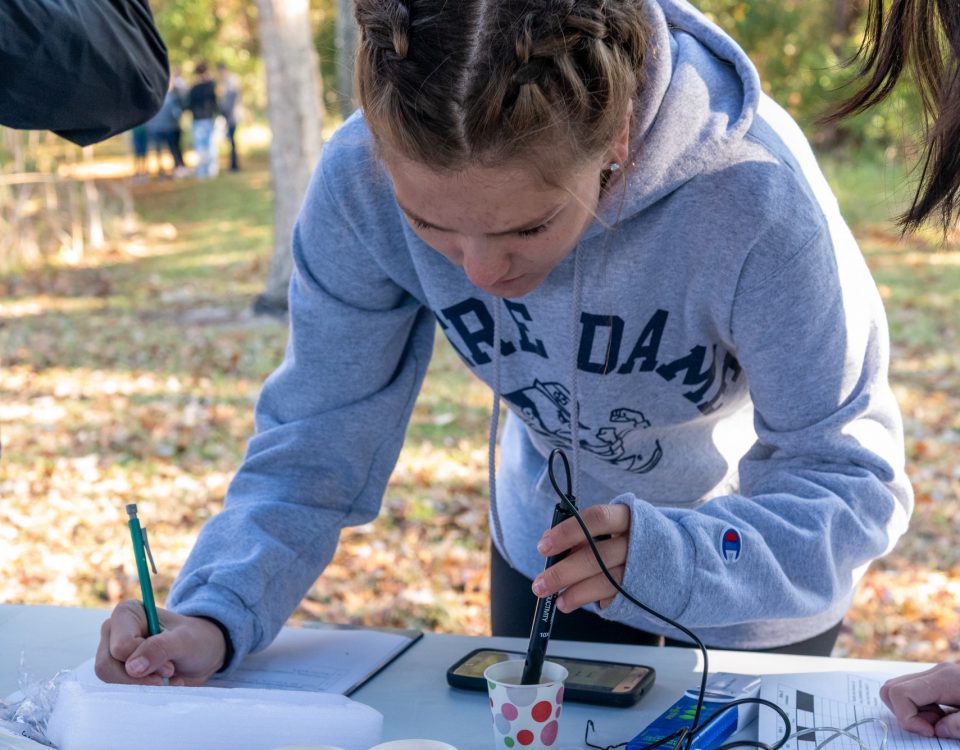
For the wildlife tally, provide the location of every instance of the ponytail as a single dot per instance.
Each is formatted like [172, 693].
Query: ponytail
[924, 37]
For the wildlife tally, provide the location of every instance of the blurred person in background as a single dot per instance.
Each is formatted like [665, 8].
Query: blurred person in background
[164, 129]
[140, 142]
[85, 69]
[182, 92]
[203, 105]
[229, 108]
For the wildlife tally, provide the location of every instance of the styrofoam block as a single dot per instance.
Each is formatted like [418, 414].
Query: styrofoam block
[97, 717]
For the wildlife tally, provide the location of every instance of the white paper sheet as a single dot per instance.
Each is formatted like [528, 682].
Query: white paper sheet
[836, 699]
[333, 660]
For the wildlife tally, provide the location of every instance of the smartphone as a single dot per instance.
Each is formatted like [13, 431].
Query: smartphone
[605, 683]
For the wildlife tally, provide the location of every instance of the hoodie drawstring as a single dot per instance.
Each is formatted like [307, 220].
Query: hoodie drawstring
[492, 440]
[574, 383]
[574, 404]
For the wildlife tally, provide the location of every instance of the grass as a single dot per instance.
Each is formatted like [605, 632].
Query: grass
[132, 375]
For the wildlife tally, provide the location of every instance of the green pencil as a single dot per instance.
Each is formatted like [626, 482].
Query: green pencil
[141, 548]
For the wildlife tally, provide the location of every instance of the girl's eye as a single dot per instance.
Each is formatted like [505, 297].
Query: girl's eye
[423, 226]
[533, 231]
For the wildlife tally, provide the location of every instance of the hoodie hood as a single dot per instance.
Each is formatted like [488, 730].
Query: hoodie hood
[700, 91]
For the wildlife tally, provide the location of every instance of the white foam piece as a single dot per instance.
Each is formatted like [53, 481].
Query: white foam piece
[95, 717]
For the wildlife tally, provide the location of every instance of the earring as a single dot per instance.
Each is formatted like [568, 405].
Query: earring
[614, 167]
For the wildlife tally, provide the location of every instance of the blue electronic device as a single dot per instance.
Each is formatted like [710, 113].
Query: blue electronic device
[722, 687]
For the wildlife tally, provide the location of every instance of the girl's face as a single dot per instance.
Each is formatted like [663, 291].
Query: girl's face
[505, 227]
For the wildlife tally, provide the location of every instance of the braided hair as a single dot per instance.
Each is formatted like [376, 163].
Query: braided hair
[456, 83]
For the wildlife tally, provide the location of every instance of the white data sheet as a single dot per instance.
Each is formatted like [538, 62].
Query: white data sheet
[836, 699]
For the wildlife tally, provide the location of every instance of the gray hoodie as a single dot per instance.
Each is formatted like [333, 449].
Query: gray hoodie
[713, 354]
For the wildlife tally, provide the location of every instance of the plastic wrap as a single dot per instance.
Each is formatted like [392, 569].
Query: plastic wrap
[26, 712]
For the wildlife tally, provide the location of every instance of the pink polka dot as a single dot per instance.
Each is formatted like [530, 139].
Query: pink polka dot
[509, 711]
[560, 695]
[549, 734]
[541, 711]
[558, 712]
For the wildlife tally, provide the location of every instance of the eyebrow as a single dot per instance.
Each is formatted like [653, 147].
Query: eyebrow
[521, 228]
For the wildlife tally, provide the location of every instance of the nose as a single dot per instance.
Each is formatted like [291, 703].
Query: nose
[483, 264]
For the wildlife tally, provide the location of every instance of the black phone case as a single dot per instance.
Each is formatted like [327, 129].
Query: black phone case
[572, 691]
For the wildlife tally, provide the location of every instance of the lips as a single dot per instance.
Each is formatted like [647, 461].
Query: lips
[515, 286]
[506, 283]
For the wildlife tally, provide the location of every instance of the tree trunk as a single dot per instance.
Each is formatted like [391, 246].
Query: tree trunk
[295, 113]
[346, 42]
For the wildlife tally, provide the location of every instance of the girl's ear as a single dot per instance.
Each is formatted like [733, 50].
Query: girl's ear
[621, 147]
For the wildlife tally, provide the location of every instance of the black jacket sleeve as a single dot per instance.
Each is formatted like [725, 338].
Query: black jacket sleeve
[86, 69]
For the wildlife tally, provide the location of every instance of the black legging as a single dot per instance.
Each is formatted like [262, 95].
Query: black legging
[511, 612]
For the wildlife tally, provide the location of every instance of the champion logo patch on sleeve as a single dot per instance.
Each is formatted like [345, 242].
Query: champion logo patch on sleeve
[731, 545]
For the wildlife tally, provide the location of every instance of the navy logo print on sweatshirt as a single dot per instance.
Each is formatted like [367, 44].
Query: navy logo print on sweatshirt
[706, 375]
[622, 441]
[731, 545]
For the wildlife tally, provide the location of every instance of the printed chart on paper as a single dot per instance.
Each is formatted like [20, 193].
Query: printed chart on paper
[836, 700]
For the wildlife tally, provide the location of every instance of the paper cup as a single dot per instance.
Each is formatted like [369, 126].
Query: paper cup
[525, 717]
[413, 745]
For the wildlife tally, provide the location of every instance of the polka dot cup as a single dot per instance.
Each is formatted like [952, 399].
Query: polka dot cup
[525, 717]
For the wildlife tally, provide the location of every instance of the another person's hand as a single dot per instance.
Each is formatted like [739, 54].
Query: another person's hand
[188, 650]
[918, 700]
[578, 575]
